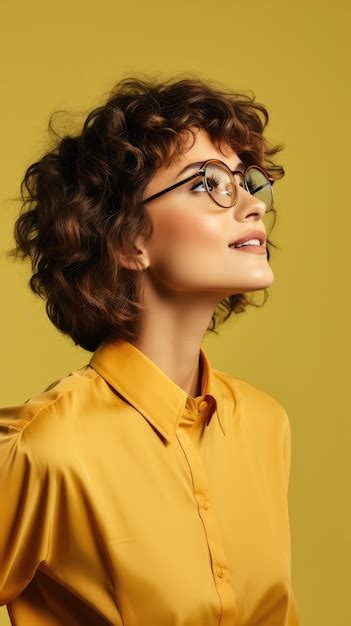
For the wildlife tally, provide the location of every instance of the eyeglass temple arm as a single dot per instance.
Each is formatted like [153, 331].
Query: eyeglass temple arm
[160, 193]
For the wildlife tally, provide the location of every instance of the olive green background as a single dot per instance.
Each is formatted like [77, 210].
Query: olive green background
[294, 57]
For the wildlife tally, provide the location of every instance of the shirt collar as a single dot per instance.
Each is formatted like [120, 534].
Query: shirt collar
[146, 387]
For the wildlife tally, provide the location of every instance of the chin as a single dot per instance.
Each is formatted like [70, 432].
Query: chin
[256, 280]
[263, 279]
[261, 284]
[254, 284]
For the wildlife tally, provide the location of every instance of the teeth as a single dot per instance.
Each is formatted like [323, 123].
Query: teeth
[249, 242]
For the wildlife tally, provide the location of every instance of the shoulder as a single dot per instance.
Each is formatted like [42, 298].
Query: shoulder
[255, 403]
[43, 425]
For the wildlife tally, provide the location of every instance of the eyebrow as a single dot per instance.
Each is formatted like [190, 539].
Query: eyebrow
[239, 166]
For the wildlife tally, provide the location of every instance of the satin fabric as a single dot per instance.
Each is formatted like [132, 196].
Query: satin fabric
[125, 501]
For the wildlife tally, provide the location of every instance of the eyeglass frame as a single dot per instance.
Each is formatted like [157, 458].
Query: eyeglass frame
[202, 171]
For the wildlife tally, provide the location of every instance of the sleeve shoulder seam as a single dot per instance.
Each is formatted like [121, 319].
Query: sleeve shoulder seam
[41, 410]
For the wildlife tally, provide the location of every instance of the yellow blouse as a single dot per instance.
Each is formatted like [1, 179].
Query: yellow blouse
[125, 501]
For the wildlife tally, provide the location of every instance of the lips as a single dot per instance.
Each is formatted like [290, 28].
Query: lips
[251, 234]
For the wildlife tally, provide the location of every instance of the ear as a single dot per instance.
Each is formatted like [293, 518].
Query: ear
[137, 261]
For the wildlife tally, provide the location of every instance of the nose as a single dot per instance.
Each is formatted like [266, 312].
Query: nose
[246, 204]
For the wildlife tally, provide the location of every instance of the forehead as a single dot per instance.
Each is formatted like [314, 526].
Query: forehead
[199, 148]
[202, 146]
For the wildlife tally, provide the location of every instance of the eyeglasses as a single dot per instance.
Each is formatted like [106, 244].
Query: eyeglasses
[221, 184]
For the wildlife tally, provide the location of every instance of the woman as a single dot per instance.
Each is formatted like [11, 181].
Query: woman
[148, 488]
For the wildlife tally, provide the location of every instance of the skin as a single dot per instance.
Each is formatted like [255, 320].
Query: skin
[189, 267]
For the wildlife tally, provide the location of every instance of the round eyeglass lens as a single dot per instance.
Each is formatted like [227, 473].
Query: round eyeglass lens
[259, 185]
[220, 184]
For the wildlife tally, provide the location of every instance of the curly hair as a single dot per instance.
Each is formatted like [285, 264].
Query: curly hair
[82, 200]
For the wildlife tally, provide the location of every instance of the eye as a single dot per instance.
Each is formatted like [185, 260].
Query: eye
[212, 182]
[197, 186]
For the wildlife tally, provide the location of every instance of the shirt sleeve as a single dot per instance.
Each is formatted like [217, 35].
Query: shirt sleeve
[292, 619]
[24, 511]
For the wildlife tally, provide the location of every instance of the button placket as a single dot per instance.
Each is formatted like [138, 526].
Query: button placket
[212, 536]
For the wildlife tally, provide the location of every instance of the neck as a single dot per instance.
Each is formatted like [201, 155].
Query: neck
[170, 335]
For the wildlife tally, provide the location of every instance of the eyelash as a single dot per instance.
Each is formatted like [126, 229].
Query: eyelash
[215, 180]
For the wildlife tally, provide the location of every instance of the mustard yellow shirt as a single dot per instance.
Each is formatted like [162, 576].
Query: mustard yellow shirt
[125, 501]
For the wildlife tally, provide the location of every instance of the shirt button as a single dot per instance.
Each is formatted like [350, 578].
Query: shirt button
[220, 571]
[206, 504]
[203, 405]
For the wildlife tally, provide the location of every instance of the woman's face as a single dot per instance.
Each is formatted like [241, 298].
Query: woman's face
[188, 251]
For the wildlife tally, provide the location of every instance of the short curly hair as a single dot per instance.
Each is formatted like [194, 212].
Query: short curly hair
[82, 200]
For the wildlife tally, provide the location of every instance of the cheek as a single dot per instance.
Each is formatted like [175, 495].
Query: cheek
[185, 247]
[187, 231]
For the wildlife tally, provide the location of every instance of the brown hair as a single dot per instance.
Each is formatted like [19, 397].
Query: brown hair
[82, 198]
